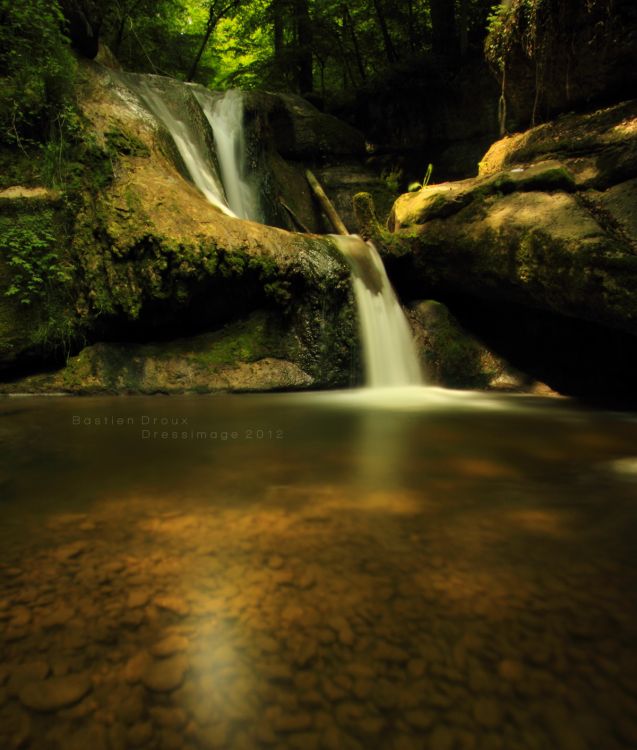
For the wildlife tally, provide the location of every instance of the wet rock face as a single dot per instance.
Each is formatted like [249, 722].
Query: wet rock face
[152, 259]
[548, 226]
[286, 134]
[580, 53]
[453, 358]
[302, 132]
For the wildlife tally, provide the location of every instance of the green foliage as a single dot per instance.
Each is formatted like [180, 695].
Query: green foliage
[511, 23]
[392, 178]
[119, 142]
[28, 244]
[267, 43]
[37, 69]
[415, 186]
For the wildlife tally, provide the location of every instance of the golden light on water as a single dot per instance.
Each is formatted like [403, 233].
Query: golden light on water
[385, 574]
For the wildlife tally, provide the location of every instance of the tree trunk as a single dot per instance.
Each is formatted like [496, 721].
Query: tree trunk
[277, 24]
[348, 23]
[204, 42]
[443, 26]
[215, 14]
[390, 51]
[464, 27]
[305, 79]
[326, 204]
[120, 35]
[278, 11]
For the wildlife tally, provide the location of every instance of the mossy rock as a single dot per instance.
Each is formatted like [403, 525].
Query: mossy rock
[450, 356]
[250, 354]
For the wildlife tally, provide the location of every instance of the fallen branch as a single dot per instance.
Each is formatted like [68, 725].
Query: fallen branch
[295, 219]
[326, 204]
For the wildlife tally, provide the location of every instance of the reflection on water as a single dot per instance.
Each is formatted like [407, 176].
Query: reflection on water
[317, 571]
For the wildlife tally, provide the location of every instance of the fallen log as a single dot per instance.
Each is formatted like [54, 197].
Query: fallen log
[326, 204]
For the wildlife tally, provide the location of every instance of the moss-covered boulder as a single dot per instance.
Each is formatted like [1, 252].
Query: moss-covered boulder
[453, 358]
[598, 148]
[539, 250]
[527, 230]
[137, 254]
[247, 355]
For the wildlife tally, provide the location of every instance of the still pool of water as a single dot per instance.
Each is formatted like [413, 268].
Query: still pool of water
[409, 569]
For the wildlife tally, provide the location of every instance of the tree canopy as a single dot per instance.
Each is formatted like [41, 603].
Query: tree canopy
[325, 48]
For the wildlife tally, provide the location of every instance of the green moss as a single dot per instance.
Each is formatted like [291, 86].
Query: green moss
[120, 142]
[244, 341]
[552, 176]
[453, 357]
[232, 264]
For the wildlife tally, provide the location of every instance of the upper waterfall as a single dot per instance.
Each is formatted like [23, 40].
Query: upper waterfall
[191, 142]
[225, 115]
[389, 351]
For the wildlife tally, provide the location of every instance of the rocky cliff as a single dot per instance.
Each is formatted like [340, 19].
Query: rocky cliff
[538, 253]
[125, 279]
[127, 250]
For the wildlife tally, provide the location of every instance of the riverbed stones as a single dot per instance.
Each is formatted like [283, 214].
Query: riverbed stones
[54, 693]
[511, 670]
[175, 604]
[138, 598]
[170, 645]
[22, 674]
[69, 551]
[168, 717]
[139, 734]
[165, 675]
[57, 616]
[19, 617]
[15, 729]
[338, 664]
[487, 712]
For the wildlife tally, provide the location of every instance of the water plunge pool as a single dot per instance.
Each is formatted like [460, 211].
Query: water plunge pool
[420, 569]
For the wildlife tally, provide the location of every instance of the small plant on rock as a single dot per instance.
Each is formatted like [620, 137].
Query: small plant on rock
[415, 186]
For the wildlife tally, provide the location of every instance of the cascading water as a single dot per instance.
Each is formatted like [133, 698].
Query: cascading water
[389, 351]
[388, 347]
[225, 115]
[191, 145]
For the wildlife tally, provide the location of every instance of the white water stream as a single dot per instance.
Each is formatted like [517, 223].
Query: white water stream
[191, 145]
[389, 351]
[225, 115]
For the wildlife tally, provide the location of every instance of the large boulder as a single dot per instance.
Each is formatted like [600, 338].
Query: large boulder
[247, 355]
[286, 135]
[147, 258]
[453, 358]
[545, 234]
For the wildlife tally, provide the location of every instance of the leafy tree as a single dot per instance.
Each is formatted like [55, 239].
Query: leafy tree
[36, 69]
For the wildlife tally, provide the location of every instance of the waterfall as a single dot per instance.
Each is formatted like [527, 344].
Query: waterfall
[389, 352]
[225, 115]
[153, 92]
[187, 112]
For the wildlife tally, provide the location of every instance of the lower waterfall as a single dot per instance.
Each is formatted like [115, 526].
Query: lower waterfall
[389, 351]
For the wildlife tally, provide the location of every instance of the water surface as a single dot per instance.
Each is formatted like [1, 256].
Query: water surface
[416, 569]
